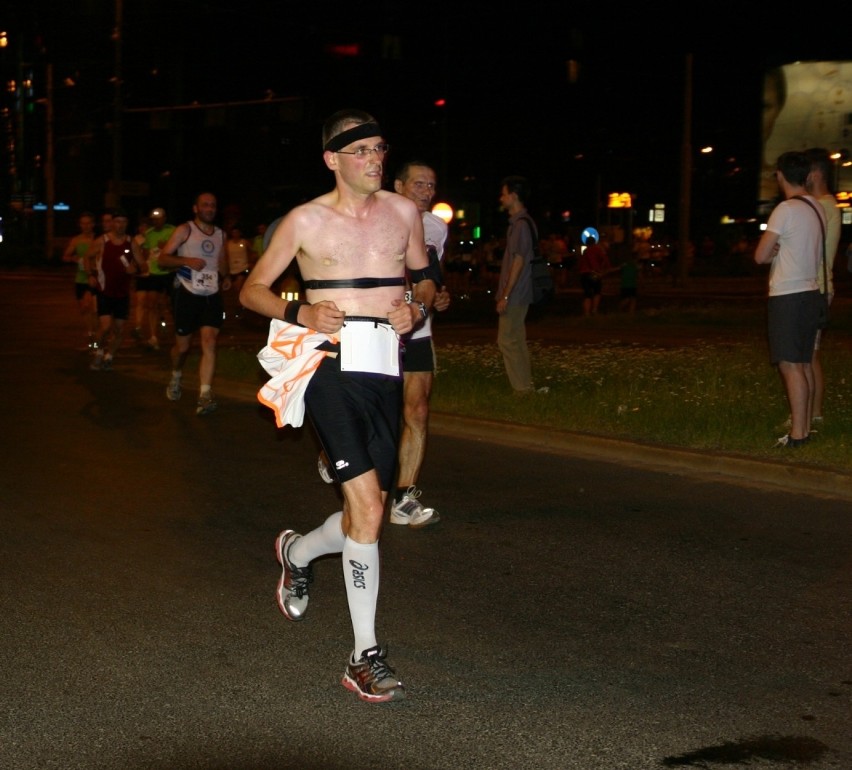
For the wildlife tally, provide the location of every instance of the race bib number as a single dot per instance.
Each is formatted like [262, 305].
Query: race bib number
[205, 281]
[369, 346]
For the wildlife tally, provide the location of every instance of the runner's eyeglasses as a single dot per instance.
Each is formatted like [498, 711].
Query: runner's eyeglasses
[364, 152]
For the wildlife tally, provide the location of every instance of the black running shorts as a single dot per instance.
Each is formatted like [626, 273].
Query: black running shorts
[419, 355]
[192, 311]
[356, 417]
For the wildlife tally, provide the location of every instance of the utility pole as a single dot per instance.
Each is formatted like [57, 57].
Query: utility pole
[686, 177]
[114, 194]
[49, 167]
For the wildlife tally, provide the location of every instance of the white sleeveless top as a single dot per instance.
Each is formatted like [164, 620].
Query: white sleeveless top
[208, 247]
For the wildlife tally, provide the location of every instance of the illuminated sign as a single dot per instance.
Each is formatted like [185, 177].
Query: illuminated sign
[590, 232]
[619, 201]
[56, 206]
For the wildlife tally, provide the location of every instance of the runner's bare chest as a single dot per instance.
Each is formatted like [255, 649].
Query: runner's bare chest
[358, 247]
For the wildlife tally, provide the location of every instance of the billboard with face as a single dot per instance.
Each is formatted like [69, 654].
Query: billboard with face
[806, 104]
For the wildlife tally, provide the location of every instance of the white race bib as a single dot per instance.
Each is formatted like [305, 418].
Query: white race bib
[369, 346]
[205, 281]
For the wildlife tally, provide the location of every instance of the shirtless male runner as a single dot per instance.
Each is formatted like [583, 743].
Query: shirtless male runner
[339, 356]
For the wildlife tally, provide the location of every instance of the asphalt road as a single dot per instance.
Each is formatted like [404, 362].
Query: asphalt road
[566, 613]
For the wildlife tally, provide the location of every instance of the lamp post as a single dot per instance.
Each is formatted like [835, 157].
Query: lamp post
[114, 194]
[49, 167]
[686, 177]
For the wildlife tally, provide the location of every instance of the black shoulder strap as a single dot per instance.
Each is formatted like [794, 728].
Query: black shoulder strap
[533, 232]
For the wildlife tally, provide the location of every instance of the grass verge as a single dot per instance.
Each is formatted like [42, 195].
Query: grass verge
[709, 396]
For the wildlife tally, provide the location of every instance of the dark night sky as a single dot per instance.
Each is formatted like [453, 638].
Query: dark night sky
[510, 106]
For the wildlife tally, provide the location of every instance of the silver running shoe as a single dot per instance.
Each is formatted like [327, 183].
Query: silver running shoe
[324, 468]
[292, 592]
[372, 678]
[173, 390]
[206, 404]
[410, 511]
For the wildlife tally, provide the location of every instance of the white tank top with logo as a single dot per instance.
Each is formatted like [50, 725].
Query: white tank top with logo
[208, 247]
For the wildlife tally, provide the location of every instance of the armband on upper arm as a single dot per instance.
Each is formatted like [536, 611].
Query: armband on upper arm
[431, 273]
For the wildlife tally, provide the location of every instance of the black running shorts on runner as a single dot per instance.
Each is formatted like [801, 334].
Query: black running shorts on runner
[81, 289]
[192, 311]
[419, 355]
[117, 307]
[792, 326]
[356, 417]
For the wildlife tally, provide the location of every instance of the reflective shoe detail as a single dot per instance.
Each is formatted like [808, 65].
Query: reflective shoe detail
[410, 511]
[292, 591]
[206, 403]
[324, 469]
[372, 678]
[173, 390]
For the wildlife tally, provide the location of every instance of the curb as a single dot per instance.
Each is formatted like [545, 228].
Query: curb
[707, 466]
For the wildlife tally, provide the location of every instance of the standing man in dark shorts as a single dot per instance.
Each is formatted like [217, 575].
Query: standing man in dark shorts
[197, 249]
[792, 246]
[353, 246]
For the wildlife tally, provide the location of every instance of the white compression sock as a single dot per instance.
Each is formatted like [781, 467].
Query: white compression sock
[327, 538]
[361, 575]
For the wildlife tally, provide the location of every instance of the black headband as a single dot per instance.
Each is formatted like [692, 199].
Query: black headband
[361, 131]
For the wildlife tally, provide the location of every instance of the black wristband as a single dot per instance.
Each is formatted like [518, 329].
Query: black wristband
[291, 312]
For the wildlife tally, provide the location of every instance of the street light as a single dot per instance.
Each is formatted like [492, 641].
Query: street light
[443, 211]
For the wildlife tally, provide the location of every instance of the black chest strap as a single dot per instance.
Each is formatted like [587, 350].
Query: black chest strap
[355, 283]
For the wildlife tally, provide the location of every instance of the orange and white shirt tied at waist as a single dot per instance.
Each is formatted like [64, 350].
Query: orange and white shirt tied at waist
[291, 358]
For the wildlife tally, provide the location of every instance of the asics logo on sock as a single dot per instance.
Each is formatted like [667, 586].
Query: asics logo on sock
[358, 571]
